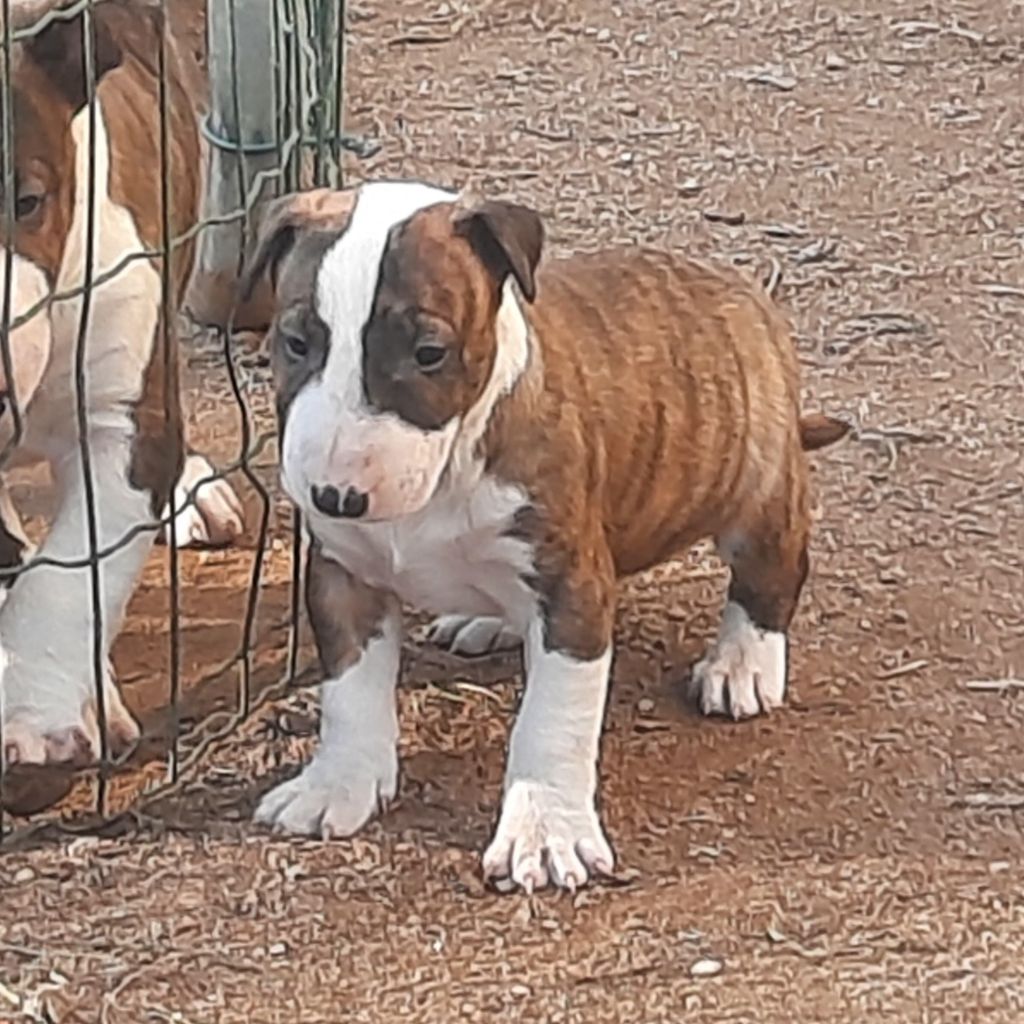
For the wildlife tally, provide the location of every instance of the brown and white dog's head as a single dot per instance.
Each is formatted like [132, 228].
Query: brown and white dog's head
[49, 97]
[396, 332]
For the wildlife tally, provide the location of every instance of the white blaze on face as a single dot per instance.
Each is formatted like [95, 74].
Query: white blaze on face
[31, 342]
[332, 436]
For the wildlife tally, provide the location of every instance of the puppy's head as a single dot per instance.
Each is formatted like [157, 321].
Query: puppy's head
[391, 335]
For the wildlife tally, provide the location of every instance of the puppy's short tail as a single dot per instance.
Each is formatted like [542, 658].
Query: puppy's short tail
[819, 431]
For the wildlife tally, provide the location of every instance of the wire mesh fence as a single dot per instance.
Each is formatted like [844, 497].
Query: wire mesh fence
[102, 128]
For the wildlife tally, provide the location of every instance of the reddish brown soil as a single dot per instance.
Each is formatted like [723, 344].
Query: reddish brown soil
[852, 858]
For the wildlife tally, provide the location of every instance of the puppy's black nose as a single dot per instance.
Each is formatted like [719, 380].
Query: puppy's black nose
[3, 402]
[355, 503]
[326, 500]
[330, 502]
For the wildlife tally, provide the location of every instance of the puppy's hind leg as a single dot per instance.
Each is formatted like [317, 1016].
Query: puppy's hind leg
[472, 636]
[744, 671]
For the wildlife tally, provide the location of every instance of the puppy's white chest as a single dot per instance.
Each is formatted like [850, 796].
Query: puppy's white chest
[454, 556]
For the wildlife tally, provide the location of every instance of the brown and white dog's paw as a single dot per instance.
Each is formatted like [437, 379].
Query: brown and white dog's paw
[331, 800]
[472, 637]
[29, 742]
[546, 835]
[33, 737]
[744, 672]
[211, 513]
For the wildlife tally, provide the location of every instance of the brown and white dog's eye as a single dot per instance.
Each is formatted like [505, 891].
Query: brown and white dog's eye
[430, 356]
[29, 200]
[26, 206]
[295, 347]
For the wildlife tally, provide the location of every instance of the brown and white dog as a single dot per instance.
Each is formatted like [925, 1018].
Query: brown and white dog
[489, 438]
[131, 388]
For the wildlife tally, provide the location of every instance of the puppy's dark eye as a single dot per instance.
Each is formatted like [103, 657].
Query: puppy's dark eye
[26, 205]
[296, 347]
[429, 356]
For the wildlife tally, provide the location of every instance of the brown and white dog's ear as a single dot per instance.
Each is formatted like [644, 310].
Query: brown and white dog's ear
[321, 209]
[59, 48]
[508, 238]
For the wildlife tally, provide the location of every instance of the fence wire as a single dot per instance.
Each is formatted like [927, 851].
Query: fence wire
[305, 148]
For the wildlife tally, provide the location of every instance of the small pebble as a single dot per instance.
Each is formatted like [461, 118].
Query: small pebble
[604, 35]
[278, 949]
[523, 914]
[24, 875]
[706, 968]
[645, 705]
[725, 217]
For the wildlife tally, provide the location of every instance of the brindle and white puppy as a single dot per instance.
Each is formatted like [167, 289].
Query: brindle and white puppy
[131, 389]
[477, 435]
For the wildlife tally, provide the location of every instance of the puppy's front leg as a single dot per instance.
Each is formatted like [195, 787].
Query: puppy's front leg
[355, 769]
[549, 828]
[47, 621]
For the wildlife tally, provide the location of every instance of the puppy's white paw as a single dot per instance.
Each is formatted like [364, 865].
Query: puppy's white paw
[210, 512]
[744, 672]
[472, 636]
[547, 835]
[332, 799]
[57, 735]
[30, 742]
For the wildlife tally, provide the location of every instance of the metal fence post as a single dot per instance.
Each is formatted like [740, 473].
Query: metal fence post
[328, 18]
[241, 138]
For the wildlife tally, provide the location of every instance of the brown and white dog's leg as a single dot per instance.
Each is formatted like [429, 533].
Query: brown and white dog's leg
[549, 829]
[472, 636]
[354, 771]
[208, 511]
[47, 622]
[744, 672]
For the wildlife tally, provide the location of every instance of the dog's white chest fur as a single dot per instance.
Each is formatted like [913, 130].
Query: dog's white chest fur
[455, 556]
[123, 313]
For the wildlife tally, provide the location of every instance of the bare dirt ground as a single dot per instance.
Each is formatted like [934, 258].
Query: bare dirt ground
[852, 858]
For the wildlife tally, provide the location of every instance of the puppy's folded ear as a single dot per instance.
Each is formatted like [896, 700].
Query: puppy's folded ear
[508, 238]
[58, 48]
[284, 219]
